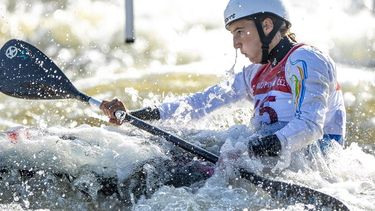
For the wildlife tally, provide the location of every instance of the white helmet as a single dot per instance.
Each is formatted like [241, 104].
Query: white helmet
[238, 9]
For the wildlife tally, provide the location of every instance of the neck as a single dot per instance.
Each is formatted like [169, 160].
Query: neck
[280, 50]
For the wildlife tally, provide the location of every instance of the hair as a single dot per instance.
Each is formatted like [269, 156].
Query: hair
[285, 31]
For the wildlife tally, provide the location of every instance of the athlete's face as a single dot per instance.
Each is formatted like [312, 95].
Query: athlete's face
[246, 38]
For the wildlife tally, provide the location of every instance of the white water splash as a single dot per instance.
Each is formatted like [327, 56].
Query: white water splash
[100, 150]
[346, 174]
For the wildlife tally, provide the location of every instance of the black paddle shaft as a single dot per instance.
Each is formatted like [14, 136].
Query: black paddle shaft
[202, 153]
[25, 72]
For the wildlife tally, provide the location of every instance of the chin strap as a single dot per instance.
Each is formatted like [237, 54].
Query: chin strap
[266, 40]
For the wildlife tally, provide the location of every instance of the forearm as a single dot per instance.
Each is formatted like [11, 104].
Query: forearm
[200, 104]
[147, 113]
[299, 133]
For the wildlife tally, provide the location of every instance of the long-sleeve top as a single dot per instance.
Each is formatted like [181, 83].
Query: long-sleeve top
[301, 92]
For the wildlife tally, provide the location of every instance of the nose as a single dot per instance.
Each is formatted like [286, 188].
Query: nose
[236, 42]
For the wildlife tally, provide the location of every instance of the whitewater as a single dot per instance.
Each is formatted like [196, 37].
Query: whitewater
[58, 154]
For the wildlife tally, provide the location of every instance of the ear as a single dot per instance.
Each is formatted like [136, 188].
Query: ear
[267, 25]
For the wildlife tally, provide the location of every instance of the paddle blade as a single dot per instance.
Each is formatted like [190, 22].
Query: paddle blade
[25, 72]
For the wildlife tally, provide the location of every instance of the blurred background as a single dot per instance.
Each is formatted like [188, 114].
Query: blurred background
[180, 47]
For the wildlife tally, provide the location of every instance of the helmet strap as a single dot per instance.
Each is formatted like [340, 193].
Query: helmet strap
[266, 40]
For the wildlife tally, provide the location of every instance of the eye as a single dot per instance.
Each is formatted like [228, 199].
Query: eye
[238, 33]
